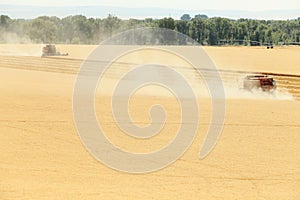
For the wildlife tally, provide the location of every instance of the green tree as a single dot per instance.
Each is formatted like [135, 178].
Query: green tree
[211, 31]
[186, 17]
[168, 23]
[5, 21]
[111, 24]
[199, 16]
[42, 29]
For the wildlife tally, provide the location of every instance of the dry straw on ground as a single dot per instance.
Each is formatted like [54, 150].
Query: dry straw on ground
[42, 157]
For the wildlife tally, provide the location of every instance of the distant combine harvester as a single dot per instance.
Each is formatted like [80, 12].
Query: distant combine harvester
[50, 50]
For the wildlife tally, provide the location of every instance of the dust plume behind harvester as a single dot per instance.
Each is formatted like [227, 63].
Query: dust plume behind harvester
[51, 50]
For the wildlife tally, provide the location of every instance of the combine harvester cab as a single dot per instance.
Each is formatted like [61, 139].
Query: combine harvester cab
[264, 82]
[50, 50]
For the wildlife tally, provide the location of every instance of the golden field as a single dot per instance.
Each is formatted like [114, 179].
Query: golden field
[42, 157]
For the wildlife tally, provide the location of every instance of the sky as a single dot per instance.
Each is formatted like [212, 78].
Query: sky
[139, 9]
[250, 5]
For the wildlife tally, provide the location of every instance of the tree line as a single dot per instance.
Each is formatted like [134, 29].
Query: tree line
[79, 29]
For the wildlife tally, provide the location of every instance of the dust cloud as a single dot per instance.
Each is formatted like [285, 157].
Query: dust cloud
[14, 45]
[234, 90]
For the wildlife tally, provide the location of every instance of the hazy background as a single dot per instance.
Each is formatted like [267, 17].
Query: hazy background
[266, 9]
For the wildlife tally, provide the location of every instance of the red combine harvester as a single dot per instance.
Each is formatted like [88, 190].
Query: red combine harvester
[264, 82]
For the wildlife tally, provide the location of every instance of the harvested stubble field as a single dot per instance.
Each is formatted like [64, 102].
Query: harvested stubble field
[42, 157]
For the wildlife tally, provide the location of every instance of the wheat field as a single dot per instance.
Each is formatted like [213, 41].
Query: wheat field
[42, 157]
